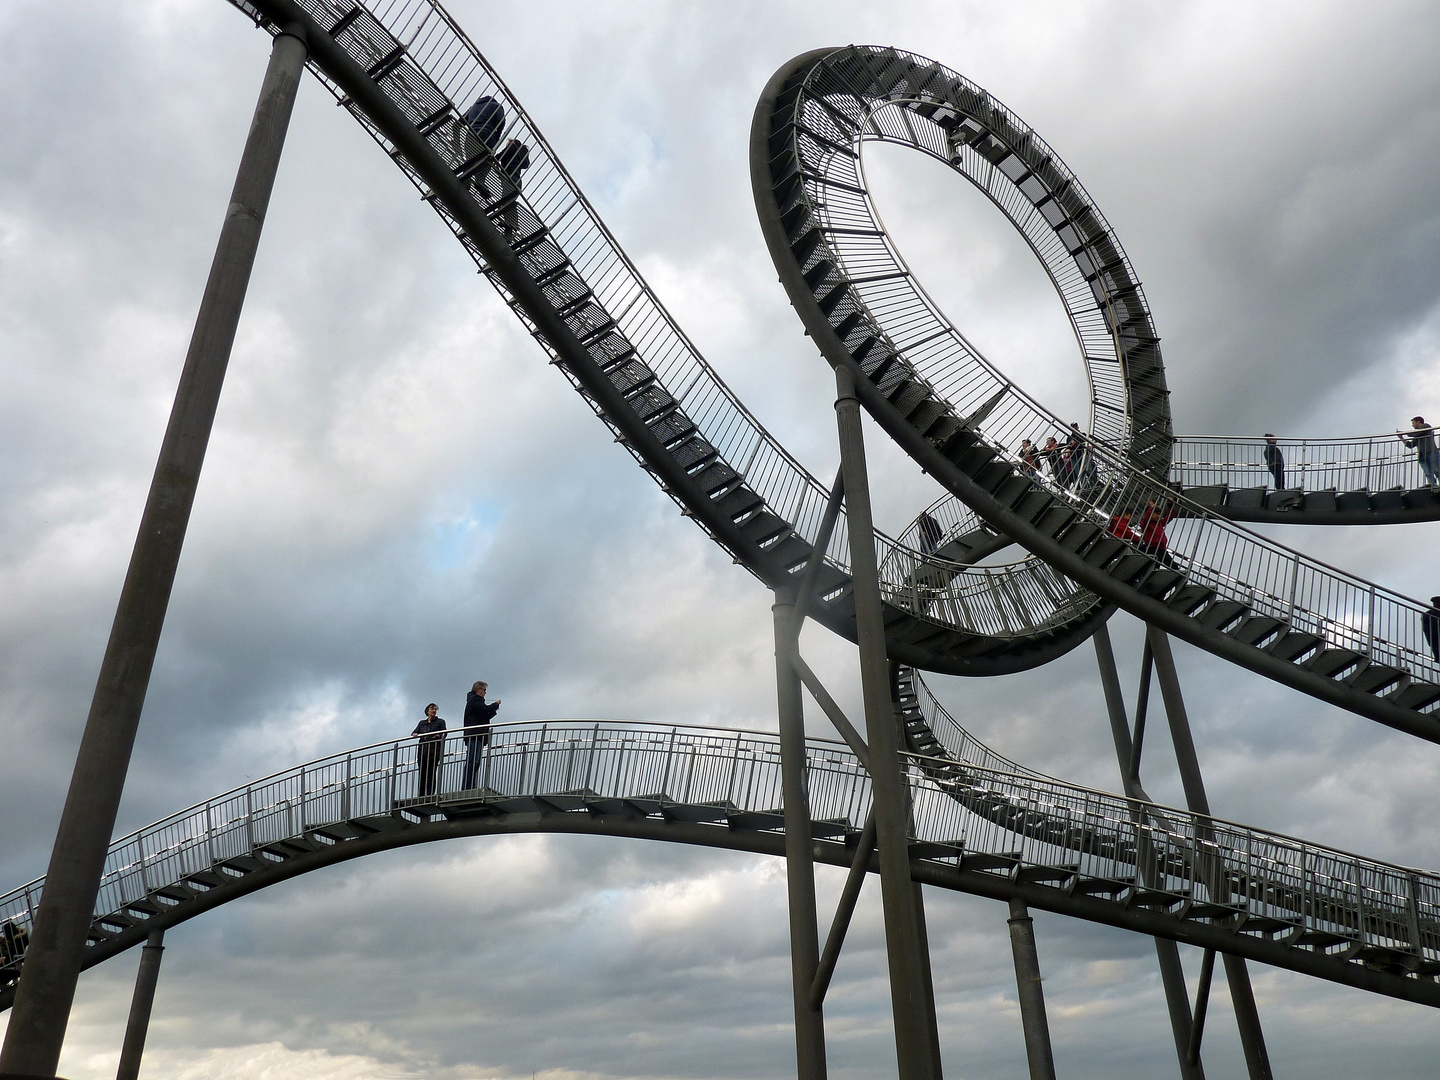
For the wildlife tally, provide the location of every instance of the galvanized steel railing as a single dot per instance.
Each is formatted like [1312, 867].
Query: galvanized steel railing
[1093, 477]
[1264, 880]
[1365, 463]
[432, 71]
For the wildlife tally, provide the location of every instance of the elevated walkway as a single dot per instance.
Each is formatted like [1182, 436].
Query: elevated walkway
[990, 831]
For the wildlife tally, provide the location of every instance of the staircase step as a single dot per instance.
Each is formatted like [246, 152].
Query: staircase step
[1256, 629]
[1079, 535]
[1188, 598]
[1223, 614]
[740, 500]
[1160, 582]
[1332, 663]
[1417, 695]
[764, 526]
[1103, 550]
[1292, 645]
[1377, 677]
[1130, 567]
[1103, 886]
[790, 552]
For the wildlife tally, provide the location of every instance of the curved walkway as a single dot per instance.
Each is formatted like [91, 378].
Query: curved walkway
[988, 831]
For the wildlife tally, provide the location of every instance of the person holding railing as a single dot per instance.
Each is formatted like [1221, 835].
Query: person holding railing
[512, 163]
[1082, 462]
[1153, 520]
[1421, 439]
[1275, 461]
[929, 531]
[478, 715]
[1029, 457]
[431, 733]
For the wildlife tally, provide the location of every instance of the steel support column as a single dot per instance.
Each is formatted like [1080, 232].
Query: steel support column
[140, 1004]
[912, 1006]
[799, 848]
[1247, 1017]
[1032, 994]
[1167, 953]
[52, 964]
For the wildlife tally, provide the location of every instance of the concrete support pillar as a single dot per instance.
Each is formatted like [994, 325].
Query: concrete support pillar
[52, 962]
[912, 1005]
[1032, 995]
[140, 1005]
[799, 849]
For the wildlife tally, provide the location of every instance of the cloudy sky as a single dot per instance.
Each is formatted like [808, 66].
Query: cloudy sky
[401, 497]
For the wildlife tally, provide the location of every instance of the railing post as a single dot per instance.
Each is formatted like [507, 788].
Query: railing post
[47, 982]
[249, 818]
[345, 795]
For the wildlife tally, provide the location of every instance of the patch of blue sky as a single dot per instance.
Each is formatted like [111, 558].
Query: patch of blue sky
[458, 540]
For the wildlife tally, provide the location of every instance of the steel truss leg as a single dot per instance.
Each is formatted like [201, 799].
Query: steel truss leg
[799, 849]
[1252, 1038]
[1167, 953]
[52, 962]
[911, 1000]
[140, 1004]
[1032, 995]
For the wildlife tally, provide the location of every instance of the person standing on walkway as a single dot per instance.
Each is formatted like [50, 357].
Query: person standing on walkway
[478, 715]
[1430, 627]
[1421, 439]
[1275, 461]
[431, 733]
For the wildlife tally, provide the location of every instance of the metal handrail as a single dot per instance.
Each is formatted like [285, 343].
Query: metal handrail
[962, 808]
[440, 70]
[1270, 579]
[1361, 463]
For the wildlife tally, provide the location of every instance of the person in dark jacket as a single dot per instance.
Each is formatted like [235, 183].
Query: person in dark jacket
[930, 532]
[1275, 461]
[478, 715]
[1430, 627]
[431, 733]
[512, 163]
[486, 118]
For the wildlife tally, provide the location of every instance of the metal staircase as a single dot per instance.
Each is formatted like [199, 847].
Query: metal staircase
[407, 73]
[1294, 619]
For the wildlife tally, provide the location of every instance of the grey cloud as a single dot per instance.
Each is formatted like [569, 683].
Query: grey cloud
[401, 497]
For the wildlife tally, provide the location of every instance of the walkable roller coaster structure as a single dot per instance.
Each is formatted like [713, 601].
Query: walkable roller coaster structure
[907, 794]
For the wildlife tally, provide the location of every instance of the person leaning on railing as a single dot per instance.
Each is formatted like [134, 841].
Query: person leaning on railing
[431, 733]
[1275, 461]
[1421, 439]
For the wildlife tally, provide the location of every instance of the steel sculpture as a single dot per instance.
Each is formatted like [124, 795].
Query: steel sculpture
[913, 797]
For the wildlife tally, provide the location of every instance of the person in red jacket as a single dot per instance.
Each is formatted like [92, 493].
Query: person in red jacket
[1153, 520]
